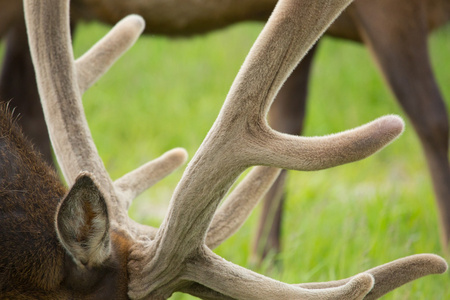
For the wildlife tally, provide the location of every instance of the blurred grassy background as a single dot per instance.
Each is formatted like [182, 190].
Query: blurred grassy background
[166, 93]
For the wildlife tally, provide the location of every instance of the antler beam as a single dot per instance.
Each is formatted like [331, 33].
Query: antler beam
[61, 98]
[240, 137]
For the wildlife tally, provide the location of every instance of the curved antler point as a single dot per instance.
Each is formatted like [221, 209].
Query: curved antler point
[393, 124]
[181, 154]
[137, 20]
[439, 264]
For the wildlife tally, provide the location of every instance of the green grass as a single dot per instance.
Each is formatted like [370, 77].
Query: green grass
[338, 222]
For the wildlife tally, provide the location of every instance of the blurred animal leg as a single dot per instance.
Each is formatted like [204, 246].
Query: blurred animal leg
[399, 45]
[286, 115]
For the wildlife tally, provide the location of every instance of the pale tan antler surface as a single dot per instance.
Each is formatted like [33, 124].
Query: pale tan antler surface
[237, 207]
[61, 98]
[175, 257]
[389, 276]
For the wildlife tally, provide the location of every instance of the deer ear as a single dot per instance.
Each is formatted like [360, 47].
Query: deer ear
[82, 222]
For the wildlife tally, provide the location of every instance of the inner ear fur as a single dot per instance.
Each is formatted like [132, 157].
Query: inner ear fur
[82, 222]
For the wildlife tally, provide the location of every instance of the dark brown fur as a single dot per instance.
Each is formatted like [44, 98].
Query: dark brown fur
[33, 264]
[29, 194]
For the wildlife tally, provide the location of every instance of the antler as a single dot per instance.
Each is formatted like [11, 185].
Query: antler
[61, 81]
[239, 204]
[239, 138]
[175, 257]
[394, 274]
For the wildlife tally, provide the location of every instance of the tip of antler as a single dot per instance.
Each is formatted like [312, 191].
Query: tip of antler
[436, 264]
[179, 155]
[392, 125]
[135, 20]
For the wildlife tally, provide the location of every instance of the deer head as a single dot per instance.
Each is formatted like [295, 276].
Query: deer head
[103, 253]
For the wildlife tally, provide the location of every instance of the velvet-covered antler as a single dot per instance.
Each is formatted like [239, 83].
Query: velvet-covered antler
[48, 29]
[176, 256]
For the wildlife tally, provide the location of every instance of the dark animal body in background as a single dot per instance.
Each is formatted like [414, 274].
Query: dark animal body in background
[395, 31]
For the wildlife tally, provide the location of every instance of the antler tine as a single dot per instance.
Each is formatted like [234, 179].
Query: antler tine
[226, 151]
[393, 274]
[132, 184]
[401, 271]
[240, 283]
[387, 277]
[219, 161]
[315, 153]
[97, 60]
[239, 204]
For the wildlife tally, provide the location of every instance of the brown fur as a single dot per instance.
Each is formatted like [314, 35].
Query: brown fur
[33, 264]
[29, 194]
